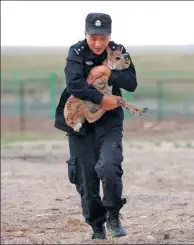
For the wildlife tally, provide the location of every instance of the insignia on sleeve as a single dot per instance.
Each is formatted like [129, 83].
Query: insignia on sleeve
[127, 58]
[112, 45]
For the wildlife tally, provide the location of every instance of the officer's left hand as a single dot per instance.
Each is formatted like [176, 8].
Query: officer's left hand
[99, 71]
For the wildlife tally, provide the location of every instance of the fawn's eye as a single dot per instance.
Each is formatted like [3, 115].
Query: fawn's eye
[117, 58]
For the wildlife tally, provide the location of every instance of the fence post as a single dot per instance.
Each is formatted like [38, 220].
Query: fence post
[16, 79]
[129, 97]
[160, 100]
[22, 108]
[52, 91]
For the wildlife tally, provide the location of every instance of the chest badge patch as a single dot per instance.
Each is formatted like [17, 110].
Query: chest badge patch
[89, 63]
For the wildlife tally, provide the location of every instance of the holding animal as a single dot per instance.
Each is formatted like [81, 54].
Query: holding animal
[76, 111]
[96, 151]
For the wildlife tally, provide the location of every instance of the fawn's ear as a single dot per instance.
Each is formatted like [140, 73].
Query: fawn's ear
[119, 47]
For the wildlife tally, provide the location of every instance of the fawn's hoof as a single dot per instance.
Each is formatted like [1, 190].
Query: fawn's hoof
[143, 111]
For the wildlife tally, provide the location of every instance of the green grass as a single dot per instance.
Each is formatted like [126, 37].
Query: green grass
[132, 142]
[174, 70]
[147, 65]
[6, 139]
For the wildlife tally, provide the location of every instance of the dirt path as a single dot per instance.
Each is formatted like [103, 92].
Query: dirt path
[39, 205]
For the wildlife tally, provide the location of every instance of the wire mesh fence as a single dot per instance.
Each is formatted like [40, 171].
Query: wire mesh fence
[28, 105]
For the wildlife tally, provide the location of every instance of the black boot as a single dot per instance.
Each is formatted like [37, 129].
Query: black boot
[114, 225]
[99, 231]
[113, 221]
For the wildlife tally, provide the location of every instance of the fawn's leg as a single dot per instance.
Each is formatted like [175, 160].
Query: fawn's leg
[133, 109]
[93, 117]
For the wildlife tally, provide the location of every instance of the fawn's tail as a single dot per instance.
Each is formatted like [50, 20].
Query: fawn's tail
[131, 108]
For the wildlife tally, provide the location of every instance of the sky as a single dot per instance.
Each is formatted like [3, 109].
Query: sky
[62, 23]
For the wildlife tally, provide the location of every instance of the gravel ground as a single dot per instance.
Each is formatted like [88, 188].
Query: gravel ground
[40, 206]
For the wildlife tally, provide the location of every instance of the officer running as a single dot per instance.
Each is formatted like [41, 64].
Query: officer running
[96, 150]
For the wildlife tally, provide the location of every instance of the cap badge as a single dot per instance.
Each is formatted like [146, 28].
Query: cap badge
[98, 23]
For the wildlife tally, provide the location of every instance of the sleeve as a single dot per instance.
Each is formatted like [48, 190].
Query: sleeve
[125, 79]
[76, 83]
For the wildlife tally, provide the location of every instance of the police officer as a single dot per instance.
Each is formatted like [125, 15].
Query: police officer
[96, 150]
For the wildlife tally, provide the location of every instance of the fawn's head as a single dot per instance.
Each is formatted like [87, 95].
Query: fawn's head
[116, 60]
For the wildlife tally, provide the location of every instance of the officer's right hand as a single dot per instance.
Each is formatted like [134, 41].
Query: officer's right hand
[109, 102]
[92, 79]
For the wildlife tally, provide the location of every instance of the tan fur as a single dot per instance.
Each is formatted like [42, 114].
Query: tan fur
[76, 111]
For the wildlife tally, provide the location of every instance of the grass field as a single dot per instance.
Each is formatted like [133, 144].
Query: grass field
[148, 65]
[165, 85]
[174, 70]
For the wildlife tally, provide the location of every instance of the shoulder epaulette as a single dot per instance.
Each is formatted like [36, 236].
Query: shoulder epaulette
[79, 47]
[113, 45]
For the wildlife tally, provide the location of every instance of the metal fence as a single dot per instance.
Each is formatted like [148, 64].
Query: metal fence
[28, 106]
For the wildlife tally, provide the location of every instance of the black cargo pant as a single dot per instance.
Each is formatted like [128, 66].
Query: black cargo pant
[93, 158]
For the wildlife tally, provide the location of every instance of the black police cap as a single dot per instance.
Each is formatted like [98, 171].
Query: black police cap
[98, 23]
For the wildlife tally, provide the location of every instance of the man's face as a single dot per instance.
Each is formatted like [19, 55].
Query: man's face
[97, 43]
